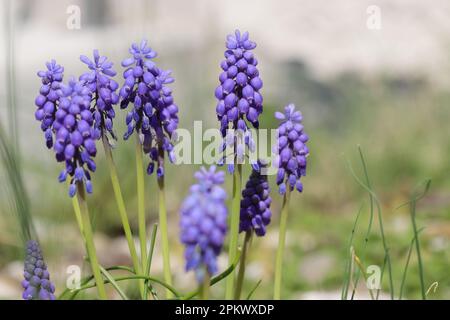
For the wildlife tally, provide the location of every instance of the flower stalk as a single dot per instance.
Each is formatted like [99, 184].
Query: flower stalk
[281, 244]
[234, 227]
[89, 240]
[141, 203]
[122, 210]
[241, 272]
[164, 231]
[204, 290]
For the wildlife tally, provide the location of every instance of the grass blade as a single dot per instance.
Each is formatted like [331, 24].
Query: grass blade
[250, 294]
[346, 283]
[149, 260]
[405, 270]
[113, 283]
[15, 186]
[380, 219]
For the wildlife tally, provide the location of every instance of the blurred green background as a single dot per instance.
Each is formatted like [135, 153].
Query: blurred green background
[386, 90]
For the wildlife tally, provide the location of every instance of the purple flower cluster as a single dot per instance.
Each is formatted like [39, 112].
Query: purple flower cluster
[99, 81]
[292, 150]
[204, 222]
[37, 285]
[48, 97]
[255, 202]
[239, 90]
[154, 114]
[75, 135]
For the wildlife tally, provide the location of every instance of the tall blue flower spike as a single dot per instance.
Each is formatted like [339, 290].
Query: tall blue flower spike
[75, 135]
[255, 203]
[37, 284]
[154, 115]
[204, 222]
[99, 80]
[48, 99]
[239, 98]
[292, 150]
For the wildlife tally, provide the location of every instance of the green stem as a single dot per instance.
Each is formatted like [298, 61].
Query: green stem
[135, 277]
[419, 256]
[89, 240]
[405, 271]
[386, 250]
[11, 75]
[234, 227]
[90, 277]
[163, 228]
[250, 294]
[204, 290]
[150, 257]
[241, 273]
[122, 210]
[380, 222]
[346, 283]
[141, 203]
[281, 243]
[369, 227]
[76, 208]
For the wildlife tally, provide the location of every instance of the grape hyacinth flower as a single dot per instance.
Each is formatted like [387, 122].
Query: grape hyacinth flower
[154, 114]
[292, 149]
[204, 222]
[37, 284]
[99, 81]
[240, 100]
[255, 204]
[291, 152]
[48, 98]
[75, 135]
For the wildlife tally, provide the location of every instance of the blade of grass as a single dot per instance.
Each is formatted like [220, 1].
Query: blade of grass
[405, 270]
[250, 294]
[380, 222]
[346, 283]
[113, 283]
[15, 186]
[415, 197]
[11, 75]
[133, 277]
[369, 227]
[86, 280]
[149, 259]
[417, 243]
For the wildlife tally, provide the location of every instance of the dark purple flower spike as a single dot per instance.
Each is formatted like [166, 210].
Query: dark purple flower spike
[240, 100]
[292, 150]
[154, 113]
[48, 98]
[204, 222]
[75, 135]
[103, 88]
[37, 284]
[255, 203]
